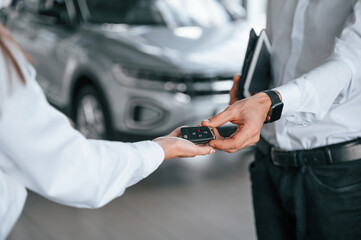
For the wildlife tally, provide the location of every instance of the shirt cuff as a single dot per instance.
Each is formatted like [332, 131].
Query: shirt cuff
[152, 155]
[291, 97]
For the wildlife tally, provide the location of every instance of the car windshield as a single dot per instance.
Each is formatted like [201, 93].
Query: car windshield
[173, 13]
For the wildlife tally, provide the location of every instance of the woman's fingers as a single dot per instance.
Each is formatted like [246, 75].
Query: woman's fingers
[176, 132]
[175, 147]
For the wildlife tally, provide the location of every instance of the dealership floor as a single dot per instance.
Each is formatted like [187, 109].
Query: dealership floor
[201, 198]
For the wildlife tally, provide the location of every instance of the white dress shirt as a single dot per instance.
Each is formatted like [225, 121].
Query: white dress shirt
[40, 151]
[316, 62]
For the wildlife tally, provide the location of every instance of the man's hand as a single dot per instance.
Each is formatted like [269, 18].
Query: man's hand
[249, 114]
[233, 91]
[176, 147]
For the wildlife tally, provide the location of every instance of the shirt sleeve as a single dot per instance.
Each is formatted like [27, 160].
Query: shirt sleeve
[310, 97]
[45, 154]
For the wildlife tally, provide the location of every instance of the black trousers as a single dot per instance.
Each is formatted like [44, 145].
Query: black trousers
[310, 202]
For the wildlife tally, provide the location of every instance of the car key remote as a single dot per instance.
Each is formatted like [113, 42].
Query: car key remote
[198, 135]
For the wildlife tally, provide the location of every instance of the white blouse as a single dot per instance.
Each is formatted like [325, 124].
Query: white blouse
[40, 151]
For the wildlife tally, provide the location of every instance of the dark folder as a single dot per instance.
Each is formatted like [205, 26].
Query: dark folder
[256, 71]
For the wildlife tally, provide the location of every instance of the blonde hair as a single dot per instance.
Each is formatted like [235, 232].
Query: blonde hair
[5, 36]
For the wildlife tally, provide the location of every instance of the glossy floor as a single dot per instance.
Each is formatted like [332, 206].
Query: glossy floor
[201, 198]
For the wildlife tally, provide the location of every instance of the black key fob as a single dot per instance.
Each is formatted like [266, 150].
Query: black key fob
[198, 135]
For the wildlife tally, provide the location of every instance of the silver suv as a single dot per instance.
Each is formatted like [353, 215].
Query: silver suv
[132, 69]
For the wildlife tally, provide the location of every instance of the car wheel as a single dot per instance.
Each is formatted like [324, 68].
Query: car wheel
[91, 115]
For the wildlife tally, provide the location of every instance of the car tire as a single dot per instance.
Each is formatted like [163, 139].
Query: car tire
[91, 115]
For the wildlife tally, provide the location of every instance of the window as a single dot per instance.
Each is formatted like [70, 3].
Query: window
[174, 13]
[54, 10]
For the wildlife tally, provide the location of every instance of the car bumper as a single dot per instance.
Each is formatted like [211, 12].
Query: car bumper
[145, 113]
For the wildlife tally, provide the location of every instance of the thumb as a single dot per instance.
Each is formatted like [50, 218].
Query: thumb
[218, 120]
[204, 150]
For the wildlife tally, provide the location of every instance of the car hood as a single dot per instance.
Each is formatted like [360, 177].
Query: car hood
[191, 49]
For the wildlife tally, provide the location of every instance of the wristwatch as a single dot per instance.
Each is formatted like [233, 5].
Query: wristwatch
[276, 108]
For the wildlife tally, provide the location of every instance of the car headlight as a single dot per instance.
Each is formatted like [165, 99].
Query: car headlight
[149, 79]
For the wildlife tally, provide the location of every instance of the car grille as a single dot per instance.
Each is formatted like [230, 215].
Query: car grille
[199, 86]
[203, 86]
[193, 85]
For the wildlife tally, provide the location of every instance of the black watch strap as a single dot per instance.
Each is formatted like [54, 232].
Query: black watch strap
[275, 111]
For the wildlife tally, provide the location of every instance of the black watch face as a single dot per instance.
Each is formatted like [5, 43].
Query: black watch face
[276, 111]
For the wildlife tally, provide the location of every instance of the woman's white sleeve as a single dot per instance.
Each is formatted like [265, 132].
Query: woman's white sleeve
[51, 158]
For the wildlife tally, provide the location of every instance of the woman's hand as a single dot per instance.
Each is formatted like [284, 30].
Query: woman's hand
[176, 147]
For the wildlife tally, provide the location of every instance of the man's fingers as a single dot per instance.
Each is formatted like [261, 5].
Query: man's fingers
[234, 88]
[236, 142]
[236, 78]
[224, 145]
[218, 119]
[233, 91]
[235, 84]
[218, 136]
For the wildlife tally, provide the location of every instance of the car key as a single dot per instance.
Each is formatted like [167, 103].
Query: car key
[198, 135]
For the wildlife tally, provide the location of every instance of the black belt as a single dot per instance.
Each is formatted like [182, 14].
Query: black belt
[331, 154]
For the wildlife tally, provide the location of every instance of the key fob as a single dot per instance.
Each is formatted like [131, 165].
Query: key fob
[198, 135]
